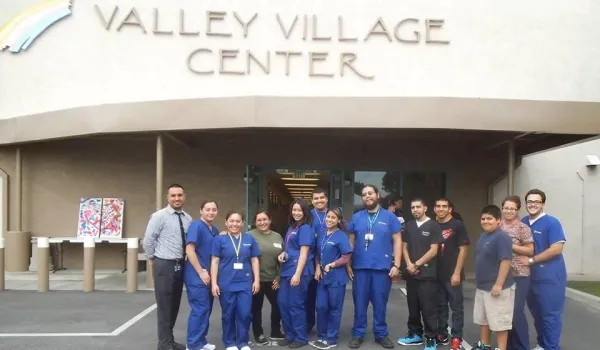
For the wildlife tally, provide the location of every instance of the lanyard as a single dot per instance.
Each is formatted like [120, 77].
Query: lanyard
[319, 217]
[287, 239]
[237, 249]
[371, 222]
[324, 244]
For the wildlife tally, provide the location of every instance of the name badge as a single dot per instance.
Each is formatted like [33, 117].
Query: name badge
[277, 245]
[238, 266]
[369, 236]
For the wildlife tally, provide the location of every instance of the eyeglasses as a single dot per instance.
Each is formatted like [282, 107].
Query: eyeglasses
[510, 209]
[534, 202]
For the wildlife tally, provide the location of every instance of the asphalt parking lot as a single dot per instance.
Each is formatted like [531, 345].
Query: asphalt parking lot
[116, 320]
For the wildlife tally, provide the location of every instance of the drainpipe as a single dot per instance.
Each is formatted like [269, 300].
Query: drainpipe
[582, 255]
[19, 190]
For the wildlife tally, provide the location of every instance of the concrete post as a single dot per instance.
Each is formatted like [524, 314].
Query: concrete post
[159, 197]
[89, 266]
[1, 263]
[510, 188]
[132, 265]
[43, 246]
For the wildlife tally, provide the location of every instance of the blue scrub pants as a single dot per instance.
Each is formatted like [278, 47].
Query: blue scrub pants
[330, 303]
[546, 301]
[291, 301]
[236, 316]
[370, 286]
[518, 337]
[200, 299]
[311, 302]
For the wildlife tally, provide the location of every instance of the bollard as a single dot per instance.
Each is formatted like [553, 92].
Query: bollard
[89, 266]
[132, 265]
[43, 246]
[1, 264]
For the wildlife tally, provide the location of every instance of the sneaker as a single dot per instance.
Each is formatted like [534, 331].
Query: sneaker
[277, 336]
[296, 345]
[355, 343]
[322, 344]
[480, 346]
[385, 343]
[537, 347]
[411, 339]
[209, 346]
[456, 344]
[261, 340]
[232, 348]
[245, 348]
[284, 342]
[430, 344]
[443, 339]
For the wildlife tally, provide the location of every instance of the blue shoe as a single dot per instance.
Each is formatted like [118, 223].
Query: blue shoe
[411, 339]
[430, 344]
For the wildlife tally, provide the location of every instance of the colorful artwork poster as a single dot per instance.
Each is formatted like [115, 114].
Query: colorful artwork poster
[90, 217]
[112, 217]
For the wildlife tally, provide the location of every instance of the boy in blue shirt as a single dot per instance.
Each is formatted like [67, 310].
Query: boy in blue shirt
[495, 295]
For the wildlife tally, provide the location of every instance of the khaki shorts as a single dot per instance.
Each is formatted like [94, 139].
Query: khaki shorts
[495, 312]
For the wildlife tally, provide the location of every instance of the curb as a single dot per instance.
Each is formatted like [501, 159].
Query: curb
[588, 299]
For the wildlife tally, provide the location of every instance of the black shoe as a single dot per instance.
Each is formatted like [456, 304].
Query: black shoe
[177, 346]
[355, 343]
[385, 343]
[296, 345]
[284, 342]
[443, 339]
[261, 340]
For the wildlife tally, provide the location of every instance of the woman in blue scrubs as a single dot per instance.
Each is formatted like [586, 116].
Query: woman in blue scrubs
[196, 275]
[235, 277]
[333, 252]
[297, 271]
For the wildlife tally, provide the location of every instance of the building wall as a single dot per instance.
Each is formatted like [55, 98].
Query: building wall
[573, 196]
[495, 70]
[57, 173]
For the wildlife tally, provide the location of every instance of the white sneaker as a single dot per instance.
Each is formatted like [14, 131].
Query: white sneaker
[245, 348]
[537, 347]
[209, 346]
[232, 348]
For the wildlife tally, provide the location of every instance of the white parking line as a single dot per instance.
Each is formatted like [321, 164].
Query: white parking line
[114, 333]
[465, 345]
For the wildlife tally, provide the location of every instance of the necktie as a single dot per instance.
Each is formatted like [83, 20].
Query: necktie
[182, 232]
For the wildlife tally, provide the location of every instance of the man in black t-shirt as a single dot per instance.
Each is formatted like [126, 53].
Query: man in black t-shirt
[420, 244]
[451, 259]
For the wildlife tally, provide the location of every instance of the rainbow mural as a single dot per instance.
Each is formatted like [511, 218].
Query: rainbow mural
[20, 32]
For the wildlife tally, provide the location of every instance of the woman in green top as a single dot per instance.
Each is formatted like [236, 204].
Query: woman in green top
[270, 244]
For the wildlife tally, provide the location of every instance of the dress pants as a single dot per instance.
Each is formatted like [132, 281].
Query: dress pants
[292, 302]
[168, 287]
[200, 299]
[266, 289]
[236, 317]
[421, 298]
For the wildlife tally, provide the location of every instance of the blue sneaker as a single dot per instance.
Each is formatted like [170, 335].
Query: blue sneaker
[430, 344]
[411, 339]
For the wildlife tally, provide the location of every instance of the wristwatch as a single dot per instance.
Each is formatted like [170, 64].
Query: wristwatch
[417, 265]
[396, 266]
[531, 261]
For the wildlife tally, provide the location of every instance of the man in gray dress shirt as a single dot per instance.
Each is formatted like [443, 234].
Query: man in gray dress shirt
[164, 246]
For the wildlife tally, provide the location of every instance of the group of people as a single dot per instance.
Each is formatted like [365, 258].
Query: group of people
[304, 273]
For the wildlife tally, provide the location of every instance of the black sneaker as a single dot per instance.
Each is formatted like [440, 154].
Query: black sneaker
[385, 343]
[480, 346]
[261, 340]
[322, 344]
[284, 342]
[443, 339]
[296, 345]
[355, 343]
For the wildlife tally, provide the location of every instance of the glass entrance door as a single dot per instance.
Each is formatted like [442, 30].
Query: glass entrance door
[254, 193]
[336, 189]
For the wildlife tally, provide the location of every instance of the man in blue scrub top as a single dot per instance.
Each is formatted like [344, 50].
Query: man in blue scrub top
[546, 298]
[375, 235]
[319, 202]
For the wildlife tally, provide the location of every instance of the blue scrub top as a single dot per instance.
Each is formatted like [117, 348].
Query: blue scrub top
[546, 231]
[295, 238]
[319, 225]
[329, 249]
[378, 254]
[201, 235]
[230, 279]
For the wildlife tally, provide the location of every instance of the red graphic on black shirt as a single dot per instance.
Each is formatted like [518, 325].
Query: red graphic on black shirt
[446, 234]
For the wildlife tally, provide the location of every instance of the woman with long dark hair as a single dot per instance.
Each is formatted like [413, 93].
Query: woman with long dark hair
[270, 245]
[333, 253]
[234, 273]
[297, 271]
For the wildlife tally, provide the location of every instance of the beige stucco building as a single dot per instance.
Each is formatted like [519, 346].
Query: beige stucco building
[121, 98]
